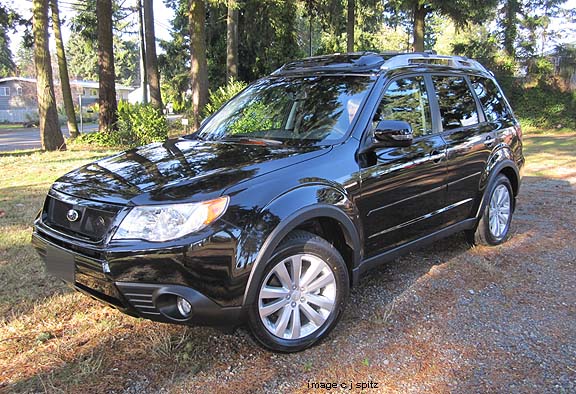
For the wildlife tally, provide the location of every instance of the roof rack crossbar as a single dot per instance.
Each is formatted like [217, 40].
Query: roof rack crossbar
[415, 58]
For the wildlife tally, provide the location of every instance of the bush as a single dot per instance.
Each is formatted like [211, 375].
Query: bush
[546, 107]
[137, 125]
[221, 95]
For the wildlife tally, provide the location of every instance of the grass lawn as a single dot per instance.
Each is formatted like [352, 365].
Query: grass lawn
[53, 339]
[4, 126]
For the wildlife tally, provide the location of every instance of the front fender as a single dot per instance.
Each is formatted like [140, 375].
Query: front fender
[286, 213]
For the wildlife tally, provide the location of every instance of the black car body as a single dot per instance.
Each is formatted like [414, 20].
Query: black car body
[377, 188]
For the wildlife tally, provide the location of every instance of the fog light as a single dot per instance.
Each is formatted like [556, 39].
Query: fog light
[184, 306]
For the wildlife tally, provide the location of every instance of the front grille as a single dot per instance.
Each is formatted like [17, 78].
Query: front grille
[94, 219]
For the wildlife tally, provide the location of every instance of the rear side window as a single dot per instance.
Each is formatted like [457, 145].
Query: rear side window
[491, 98]
[406, 99]
[457, 105]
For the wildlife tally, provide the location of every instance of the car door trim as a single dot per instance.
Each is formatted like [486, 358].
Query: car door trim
[423, 217]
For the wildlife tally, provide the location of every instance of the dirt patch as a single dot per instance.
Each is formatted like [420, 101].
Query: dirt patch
[445, 319]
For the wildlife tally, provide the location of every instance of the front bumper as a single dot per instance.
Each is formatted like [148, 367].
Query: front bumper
[89, 272]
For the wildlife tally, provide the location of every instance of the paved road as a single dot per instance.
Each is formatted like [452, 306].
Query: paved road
[28, 138]
[20, 138]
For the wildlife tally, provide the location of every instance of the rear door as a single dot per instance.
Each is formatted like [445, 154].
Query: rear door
[403, 189]
[469, 141]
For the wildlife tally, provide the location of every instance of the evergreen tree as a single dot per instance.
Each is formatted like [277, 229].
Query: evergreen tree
[50, 134]
[63, 71]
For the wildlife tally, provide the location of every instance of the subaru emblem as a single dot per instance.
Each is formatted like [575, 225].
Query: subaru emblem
[72, 215]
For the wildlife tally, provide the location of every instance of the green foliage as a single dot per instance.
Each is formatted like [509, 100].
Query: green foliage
[8, 21]
[542, 69]
[545, 107]
[254, 118]
[25, 60]
[220, 96]
[141, 124]
[83, 59]
[137, 125]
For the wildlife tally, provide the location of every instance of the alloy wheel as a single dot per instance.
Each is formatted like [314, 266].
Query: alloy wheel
[499, 211]
[297, 296]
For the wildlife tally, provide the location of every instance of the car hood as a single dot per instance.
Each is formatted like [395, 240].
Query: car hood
[178, 171]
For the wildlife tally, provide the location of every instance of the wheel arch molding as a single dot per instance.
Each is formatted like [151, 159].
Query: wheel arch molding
[344, 214]
[504, 166]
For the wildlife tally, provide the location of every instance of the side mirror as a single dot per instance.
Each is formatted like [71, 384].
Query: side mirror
[393, 133]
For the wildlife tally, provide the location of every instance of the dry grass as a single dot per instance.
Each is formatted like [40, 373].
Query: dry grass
[413, 326]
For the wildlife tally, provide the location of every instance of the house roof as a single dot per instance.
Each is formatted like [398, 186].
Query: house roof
[21, 79]
[77, 82]
[95, 85]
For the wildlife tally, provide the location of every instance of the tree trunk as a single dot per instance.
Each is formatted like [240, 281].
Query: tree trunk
[143, 73]
[350, 26]
[419, 18]
[232, 41]
[151, 58]
[63, 71]
[198, 65]
[50, 134]
[107, 75]
[510, 27]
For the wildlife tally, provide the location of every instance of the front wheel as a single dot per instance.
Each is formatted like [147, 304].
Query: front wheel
[301, 294]
[494, 224]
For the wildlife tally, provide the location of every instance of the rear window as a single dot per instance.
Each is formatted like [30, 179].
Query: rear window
[491, 98]
[457, 105]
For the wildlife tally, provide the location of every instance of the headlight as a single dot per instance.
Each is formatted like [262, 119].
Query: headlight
[165, 222]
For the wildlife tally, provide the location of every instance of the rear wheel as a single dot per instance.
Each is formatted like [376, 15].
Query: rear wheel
[301, 294]
[494, 224]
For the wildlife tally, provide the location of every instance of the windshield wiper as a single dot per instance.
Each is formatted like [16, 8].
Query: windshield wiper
[253, 140]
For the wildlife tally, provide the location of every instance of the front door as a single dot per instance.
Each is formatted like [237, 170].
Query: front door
[403, 189]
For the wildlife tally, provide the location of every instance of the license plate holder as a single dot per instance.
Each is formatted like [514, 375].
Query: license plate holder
[60, 263]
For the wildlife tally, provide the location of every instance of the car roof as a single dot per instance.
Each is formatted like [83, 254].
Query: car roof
[375, 63]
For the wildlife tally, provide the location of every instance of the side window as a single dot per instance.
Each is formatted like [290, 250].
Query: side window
[406, 99]
[491, 98]
[457, 105]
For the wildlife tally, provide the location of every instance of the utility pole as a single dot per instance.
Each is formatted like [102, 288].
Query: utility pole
[143, 71]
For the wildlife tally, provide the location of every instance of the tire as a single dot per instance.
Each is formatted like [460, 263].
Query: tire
[287, 315]
[494, 224]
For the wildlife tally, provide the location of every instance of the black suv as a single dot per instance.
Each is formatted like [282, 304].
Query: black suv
[289, 193]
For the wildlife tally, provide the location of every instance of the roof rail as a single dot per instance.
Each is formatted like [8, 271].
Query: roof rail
[415, 58]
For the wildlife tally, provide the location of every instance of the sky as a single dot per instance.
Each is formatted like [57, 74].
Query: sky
[163, 16]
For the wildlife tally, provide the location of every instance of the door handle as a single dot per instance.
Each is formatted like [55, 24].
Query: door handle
[489, 141]
[436, 156]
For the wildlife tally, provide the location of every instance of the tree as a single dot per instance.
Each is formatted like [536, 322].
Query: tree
[350, 26]
[63, 70]
[107, 88]
[174, 63]
[82, 57]
[50, 134]
[25, 60]
[142, 48]
[232, 40]
[198, 63]
[8, 20]
[462, 12]
[509, 25]
[151, 58]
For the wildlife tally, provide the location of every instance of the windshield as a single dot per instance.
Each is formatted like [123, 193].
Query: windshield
[316, 108]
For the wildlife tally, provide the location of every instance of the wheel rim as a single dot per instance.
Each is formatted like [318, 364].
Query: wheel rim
[297, 296]
[499, 212]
